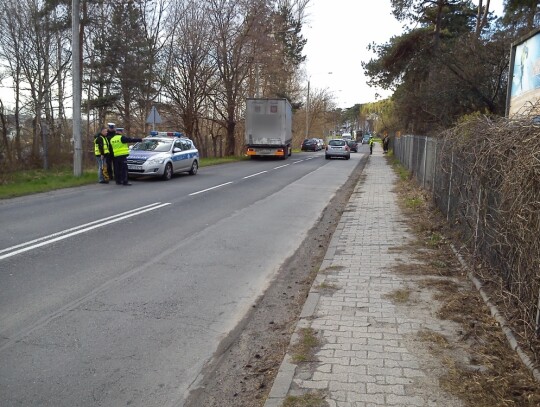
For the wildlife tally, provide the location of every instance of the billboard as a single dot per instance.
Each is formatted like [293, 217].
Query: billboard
[524, 79]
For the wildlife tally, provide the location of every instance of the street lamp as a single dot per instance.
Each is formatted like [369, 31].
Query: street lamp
[307, 103]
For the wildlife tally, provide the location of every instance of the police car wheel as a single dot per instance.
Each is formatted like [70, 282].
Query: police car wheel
[167, 173]
[194, 168]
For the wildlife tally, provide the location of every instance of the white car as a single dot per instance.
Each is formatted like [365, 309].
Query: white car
[162, 155]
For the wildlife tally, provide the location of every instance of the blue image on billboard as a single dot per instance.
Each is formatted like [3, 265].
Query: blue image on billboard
[526, 74]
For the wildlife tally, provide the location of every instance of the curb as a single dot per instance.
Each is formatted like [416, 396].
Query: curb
[512, 341]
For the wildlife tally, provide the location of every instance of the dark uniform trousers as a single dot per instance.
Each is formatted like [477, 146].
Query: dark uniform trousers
[121, 169]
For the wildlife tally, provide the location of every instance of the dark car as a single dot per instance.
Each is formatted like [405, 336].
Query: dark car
[365, 139]
[353, 145]
[310, 144]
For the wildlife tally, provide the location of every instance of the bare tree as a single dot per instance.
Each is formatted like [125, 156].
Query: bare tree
[233, 24]
[10, 43]
[190, 73]
[35, 55]
[153, 16]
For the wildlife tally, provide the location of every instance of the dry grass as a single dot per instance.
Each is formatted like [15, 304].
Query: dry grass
[327, 287]
[399, 296]
[306, 400]
[332, 268]
[492, 374]
[434, 338]
[494, 164]
[304, 350]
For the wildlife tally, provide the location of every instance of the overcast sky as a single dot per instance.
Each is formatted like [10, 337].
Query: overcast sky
[338, 33]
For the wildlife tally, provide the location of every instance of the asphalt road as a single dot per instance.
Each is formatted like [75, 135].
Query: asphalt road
[113, 295]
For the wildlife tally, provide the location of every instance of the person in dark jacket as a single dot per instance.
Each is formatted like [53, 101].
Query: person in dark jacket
[101, 149]
[386, 143]
[111, 132]
[120, 148]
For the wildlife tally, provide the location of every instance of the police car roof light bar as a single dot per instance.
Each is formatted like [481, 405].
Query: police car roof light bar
[155, 133]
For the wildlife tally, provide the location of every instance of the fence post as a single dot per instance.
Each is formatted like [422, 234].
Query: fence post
[538, 316]
[425, 163]
[435, 165]
[411, 154]
[450, 186]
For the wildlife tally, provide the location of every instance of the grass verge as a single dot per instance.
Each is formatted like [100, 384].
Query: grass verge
[34, 181]
[490, 373]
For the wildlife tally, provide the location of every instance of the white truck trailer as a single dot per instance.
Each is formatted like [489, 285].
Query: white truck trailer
[268, 128]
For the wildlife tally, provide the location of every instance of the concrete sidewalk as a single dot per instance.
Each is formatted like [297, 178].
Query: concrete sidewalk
[370, 352]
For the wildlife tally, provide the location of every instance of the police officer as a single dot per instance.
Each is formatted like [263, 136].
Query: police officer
[370, 142]
[101, 148]
[120, 149]
[111, 132]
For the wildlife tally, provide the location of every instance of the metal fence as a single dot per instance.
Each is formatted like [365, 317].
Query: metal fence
[475, 204]
[419, 155]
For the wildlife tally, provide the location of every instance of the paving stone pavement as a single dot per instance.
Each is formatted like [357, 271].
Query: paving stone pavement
[371, 354]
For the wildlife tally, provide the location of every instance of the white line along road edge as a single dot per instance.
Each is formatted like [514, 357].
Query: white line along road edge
[55, 237]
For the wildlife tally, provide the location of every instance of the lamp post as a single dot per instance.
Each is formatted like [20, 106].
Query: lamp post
[307, 111]
[307, 103]
[77, 142]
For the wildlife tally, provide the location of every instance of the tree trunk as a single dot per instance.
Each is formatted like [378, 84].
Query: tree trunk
[230, 141]
[4, 132]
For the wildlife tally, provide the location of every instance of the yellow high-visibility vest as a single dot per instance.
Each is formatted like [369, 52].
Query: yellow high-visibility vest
[119, 149]
[105, 146]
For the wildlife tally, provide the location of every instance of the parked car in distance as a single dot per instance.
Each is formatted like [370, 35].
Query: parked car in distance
[163, 154]
[346, 136]
[365, 139]
[353, 145]
[310, 144]
[321, 143]
[337, 148]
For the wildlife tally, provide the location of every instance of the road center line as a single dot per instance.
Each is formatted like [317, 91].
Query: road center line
[80, 229]
[254, 175]
[209, 189]
[281, 166]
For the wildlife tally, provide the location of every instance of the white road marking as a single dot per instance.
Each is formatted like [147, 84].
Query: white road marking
[254, 175]
[55, 237]
[209, 189]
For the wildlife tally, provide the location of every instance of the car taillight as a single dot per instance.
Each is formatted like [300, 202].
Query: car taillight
[347, 148]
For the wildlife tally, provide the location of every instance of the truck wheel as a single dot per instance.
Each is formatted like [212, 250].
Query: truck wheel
[167, 173]
[285, 153]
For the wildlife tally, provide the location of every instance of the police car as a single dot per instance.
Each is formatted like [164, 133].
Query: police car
[163, 154]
